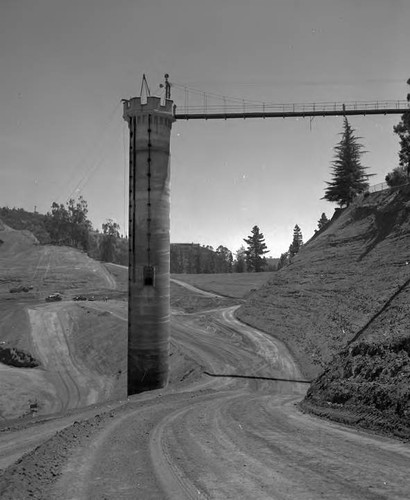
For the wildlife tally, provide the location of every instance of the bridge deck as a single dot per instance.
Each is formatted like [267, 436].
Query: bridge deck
[247, 110]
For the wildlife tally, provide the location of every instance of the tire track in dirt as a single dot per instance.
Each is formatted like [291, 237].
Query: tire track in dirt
[243, 440]
[148, 430]
[76, 386]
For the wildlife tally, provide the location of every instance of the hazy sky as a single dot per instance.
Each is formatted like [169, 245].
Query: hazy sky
[66, 64]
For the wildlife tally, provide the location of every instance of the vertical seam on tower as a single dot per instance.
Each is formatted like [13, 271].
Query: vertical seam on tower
[149, 193]
[132, 199]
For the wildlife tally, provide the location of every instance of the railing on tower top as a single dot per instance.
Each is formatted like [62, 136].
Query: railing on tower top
[263, 110]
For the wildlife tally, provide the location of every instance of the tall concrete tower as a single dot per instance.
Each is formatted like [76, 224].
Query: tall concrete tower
[149, 261]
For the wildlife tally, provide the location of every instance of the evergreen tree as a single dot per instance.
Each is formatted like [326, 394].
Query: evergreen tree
[402, 129]
[255, 251]
[322, 221]
[297, 242]
[283, 260]
[349, 177]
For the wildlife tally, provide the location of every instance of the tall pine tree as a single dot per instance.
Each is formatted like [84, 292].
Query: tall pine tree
[349, 176]
[255, 251]
[297, 242]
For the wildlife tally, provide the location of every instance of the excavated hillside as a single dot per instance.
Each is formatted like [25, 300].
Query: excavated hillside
[342, 307]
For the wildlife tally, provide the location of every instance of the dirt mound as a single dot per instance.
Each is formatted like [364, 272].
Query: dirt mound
[342, 284]
[35, 472]
[368, 385]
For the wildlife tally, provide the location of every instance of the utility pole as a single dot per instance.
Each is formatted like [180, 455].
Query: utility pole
[150, 125]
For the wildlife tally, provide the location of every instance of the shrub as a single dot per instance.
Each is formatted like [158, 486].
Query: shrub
[397, 177]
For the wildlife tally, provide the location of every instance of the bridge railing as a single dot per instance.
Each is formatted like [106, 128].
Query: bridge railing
[382, 186]
[252, 107]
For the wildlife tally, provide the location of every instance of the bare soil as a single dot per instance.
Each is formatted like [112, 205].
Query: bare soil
[61, 344]
[348, 291]
[228, 425]
[367, 385]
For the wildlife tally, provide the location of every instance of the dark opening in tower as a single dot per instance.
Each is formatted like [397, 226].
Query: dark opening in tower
[149, 276]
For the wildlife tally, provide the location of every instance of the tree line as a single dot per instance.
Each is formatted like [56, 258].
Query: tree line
[69, 225]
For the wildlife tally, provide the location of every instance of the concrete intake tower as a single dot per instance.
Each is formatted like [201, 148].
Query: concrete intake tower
[149, 242]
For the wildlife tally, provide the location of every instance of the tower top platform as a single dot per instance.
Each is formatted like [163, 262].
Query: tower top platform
[135, 106]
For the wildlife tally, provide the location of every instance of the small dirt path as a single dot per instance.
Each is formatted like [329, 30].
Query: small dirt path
[195, 289]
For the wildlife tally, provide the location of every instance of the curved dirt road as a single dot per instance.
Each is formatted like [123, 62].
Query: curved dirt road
[232, 437]
[229, 434]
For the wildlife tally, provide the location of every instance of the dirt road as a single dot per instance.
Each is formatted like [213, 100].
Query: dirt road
[230, 438]
[223, 435]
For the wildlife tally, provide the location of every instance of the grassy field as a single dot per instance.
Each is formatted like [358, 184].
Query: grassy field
[235, 285]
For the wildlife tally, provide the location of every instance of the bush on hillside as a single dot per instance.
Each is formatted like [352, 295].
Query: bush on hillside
[397, 177]
[17, 358]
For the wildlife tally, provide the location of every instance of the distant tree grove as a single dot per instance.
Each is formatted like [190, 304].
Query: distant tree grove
[68, 224]
[193, 258]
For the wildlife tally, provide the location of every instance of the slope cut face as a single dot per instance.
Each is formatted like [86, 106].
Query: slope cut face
[340, 282]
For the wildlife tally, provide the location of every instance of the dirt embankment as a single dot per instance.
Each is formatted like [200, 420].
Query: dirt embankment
[69, 339]
[350, 284]
[368, 385]
[341, 282]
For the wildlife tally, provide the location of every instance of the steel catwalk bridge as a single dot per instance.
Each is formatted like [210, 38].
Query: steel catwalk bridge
[261, 110]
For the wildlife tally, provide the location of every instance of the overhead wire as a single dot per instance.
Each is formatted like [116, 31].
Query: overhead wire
[93, 167]
[94, 149]
[204, 104]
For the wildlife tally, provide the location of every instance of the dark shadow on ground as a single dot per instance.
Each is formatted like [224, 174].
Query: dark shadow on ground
[258, 378]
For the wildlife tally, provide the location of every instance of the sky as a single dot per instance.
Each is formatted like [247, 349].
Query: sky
[65, 65]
